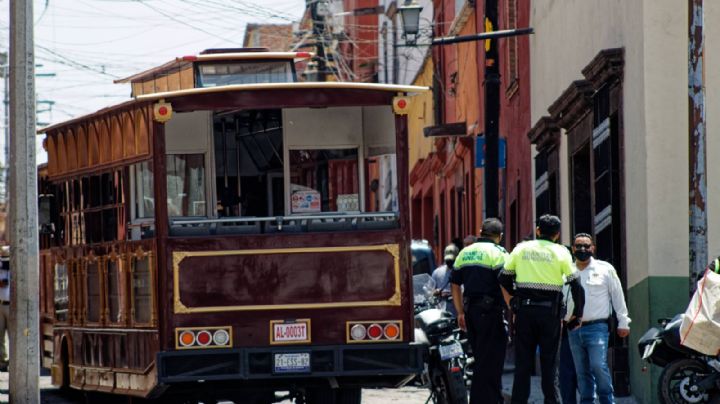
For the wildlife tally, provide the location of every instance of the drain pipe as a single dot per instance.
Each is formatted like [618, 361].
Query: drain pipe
[697, 130]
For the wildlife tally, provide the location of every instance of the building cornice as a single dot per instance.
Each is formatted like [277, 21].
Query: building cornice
[574, 103]
[607, 67]
[545, 135]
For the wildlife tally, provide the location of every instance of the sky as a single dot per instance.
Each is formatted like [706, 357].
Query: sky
[81, 46]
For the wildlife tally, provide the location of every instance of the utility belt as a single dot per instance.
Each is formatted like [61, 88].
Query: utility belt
[486, 303]
[536, 303]
[556, 307]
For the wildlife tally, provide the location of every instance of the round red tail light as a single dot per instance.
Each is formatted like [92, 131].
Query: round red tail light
[204, 338]
[375, 331]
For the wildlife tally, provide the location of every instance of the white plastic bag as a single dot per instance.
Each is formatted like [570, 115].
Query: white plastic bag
[700, 328]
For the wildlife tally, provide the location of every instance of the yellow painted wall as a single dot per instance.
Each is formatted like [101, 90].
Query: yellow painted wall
[420, 116]
[467, 106]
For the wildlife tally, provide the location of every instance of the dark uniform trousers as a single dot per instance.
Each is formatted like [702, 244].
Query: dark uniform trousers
[536, 326]
[486, 332]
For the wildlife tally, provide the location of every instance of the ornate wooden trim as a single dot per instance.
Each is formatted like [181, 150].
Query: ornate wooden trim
[606, 67]
[573, 104]
[545, 135]
[180, 307]
[121, 136]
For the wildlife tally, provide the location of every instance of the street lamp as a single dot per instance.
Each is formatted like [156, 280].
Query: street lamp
[410, 14]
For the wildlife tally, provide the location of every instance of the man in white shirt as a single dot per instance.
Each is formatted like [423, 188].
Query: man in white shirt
[589, 341]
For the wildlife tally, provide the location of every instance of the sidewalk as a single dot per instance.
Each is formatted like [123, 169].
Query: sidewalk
[48, 393]
[536, 396]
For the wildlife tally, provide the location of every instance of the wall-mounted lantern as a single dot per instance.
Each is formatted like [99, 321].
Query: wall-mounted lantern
[410, 14]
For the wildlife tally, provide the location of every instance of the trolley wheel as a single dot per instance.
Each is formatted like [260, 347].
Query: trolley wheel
[316, 395]
[349, 396]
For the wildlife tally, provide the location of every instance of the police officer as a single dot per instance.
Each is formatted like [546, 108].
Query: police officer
[535, 273]
[480, 312]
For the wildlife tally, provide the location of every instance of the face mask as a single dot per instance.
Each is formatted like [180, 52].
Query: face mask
[583, 255]
[449, 263]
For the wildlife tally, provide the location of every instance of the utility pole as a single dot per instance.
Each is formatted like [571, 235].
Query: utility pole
[5, 71]
[318, 11]
[492, 97]
[384, 33]
[696, 110]
[396, 56]
[492, 112]
[24, 253]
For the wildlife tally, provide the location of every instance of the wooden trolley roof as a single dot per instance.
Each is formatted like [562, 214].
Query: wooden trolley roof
[342, 89]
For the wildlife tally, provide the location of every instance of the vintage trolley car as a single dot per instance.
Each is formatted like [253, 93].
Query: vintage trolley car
[229, 232]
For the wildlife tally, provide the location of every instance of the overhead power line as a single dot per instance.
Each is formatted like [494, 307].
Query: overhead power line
[183, 22]
[67, 61]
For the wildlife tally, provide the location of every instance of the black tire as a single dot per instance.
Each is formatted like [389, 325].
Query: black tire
[675, 380]
[348, 396]
[320, 396]
[449, 387]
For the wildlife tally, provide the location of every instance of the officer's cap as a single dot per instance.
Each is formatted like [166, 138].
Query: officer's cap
[451, 252]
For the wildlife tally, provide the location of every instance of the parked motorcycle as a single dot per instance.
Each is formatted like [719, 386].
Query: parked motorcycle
[445, 358]
[687, 376]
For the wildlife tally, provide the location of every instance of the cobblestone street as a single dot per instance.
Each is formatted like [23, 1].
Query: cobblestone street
[405, 395]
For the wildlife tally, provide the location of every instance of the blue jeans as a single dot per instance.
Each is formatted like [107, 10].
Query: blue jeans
[589, 346]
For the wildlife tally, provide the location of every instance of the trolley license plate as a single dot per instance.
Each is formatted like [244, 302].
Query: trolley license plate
[449, 351]
[298, 362]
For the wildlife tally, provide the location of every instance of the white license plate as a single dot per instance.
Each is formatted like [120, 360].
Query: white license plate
[649, 350]
[290, 332]
[449, 351]
[292, 362]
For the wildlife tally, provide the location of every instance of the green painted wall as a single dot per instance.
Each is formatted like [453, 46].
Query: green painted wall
[653, 298]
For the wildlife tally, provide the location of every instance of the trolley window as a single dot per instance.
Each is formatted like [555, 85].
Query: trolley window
[61, 292]
[92, 268]
[324, 180]
[186, 185]
[222, 74]
[141, 290]
[143, 193]
[113, 290]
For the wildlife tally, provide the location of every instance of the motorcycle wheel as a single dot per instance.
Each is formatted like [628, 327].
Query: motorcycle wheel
[449, 388]
[677, 380]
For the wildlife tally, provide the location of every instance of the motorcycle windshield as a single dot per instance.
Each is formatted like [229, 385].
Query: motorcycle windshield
[423, 287]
